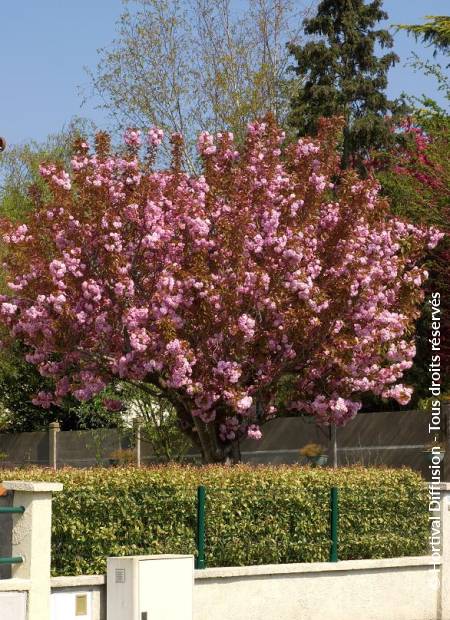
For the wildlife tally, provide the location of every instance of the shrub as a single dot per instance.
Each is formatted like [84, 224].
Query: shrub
[312, 449]
[255, 515]
[123, 457]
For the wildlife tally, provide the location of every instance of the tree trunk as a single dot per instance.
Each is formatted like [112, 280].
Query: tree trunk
[203, 435]
[212, 450]
[233, 453]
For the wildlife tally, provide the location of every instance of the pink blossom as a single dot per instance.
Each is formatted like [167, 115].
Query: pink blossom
[244, 403]
[8, 308]
[254, 432]
[155, 136]
[247, 326]
[132, 137]
[400, 393]
[205, 144]
[231, 370]
[43, 399]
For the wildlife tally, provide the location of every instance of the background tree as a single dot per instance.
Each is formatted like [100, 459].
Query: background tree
[21, 381]
[435, 32]
[340, 74]
[19, 166]
[198, 65]
[159, 424]
[415, 175]
[213, 289]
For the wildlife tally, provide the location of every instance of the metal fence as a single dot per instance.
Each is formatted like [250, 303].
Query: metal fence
[390, 438]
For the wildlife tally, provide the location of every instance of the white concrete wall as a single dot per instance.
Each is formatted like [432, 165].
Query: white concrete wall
[13, 605]
[64, 590]
[399, 589]
[393, 589]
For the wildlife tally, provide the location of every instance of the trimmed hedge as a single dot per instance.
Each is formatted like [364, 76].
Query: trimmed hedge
[254, 515]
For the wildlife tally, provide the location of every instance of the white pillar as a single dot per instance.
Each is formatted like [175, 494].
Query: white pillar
[31, 539]
[444, 586]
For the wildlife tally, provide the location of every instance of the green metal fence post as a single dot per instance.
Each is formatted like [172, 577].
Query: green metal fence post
[334, 523]
[201, 501]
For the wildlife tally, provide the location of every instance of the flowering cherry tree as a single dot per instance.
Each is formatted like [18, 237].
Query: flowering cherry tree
[272, 267]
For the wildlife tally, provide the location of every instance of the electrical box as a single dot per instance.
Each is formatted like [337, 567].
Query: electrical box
[150, 587]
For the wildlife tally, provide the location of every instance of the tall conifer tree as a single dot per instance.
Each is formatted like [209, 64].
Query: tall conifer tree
[342, 75]
[435, 31]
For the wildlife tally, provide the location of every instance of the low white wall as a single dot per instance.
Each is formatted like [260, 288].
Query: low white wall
[393, 589]
[397, 589]
[91, 585]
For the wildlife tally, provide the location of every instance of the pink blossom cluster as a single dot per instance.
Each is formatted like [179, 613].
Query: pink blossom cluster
[132, 137]
[155, 136]
[215, 288]
[59, 177]
[205, 143]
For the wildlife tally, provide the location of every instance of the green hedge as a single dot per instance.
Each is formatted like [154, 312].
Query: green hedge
[255, 515]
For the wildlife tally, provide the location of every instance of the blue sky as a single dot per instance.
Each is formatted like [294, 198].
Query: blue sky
[45, 44]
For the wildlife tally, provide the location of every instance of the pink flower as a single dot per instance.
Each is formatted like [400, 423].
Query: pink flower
[400, 393]
[155, 136]
[132, 137]
[231, 370]
[43, 399]
[57, 269]
[318, 181]
[8, 308]
[244, 403]
[254, 432]
[205, 144]
[247, 326]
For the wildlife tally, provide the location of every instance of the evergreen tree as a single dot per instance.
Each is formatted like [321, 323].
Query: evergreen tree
[435, 31]
[342, 75]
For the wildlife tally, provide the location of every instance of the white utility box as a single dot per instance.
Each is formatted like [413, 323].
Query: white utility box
[150, 587]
